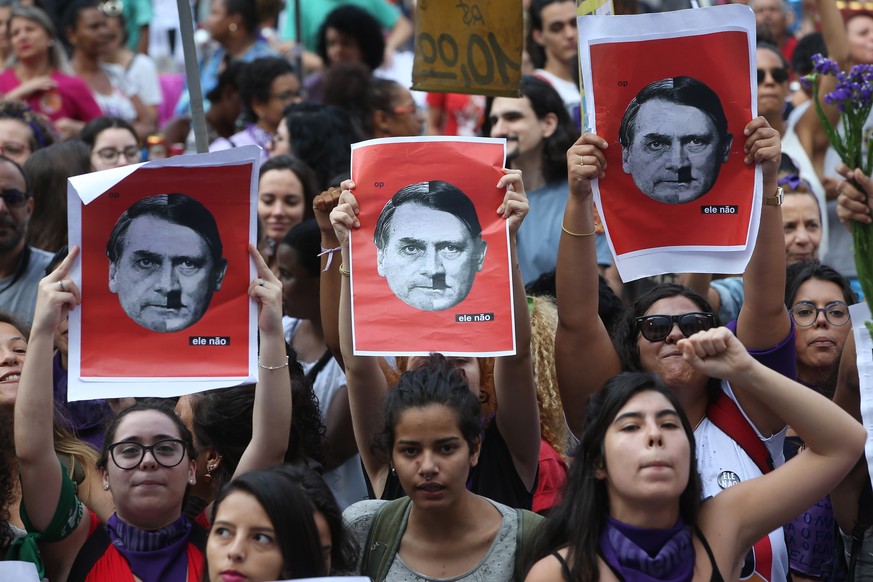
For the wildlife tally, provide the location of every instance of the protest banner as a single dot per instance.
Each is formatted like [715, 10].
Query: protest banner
[430, 264]
[164, 275]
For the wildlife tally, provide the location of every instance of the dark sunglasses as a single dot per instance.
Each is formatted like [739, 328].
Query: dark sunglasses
[656, 328]
[14, 198]
[779, 75]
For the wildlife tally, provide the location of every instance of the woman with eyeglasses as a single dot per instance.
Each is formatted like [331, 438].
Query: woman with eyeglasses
[233, 25]
[268, 85]
[148, 458]
[818, 300]
[647, 341]
[113, 143]
[22, 131]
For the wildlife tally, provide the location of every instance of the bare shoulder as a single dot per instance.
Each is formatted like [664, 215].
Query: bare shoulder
[547, 569]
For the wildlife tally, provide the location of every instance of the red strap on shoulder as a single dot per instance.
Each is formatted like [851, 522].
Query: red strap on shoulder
[725, 414]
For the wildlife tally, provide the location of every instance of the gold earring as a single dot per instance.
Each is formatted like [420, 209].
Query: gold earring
[233, 27]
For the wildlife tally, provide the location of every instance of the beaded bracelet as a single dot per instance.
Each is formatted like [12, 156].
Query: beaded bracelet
[285, 365]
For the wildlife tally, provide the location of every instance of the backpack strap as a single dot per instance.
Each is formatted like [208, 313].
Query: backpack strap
[529, 524]
[384, 538]
[98, 542]
[862, 524]
[726, 415]
[92, 550]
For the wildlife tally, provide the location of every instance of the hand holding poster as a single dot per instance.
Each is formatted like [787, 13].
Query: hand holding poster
[164, 277]
[678, 196]
[430, 263]
[860, 313]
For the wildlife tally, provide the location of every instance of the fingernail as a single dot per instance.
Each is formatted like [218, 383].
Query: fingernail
[357, 224]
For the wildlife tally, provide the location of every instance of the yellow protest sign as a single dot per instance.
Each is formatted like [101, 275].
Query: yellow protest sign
[468, 46]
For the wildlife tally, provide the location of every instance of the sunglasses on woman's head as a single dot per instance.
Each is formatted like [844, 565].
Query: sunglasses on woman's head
[656, 328]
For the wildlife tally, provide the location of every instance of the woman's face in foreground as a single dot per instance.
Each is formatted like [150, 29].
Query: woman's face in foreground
[430, 456]
[242, 544]
[647, 455]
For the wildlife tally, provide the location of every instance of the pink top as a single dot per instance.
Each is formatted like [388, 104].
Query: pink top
[71, 99]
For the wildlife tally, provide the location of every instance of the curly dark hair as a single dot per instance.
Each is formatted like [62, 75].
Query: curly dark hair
[344, 553]
[435, 382]
[222, 420]
[359, 24]
[8, 480]
[256, 82]
[307, 427]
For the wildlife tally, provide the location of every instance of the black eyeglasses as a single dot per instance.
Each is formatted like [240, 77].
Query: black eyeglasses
[110, 155]
[779, 75]
[805, 313]
[656, 328]
[128, 455]
[14, 198]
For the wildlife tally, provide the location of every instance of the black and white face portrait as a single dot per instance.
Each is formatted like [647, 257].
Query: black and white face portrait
[674, 140]
[429, 245]
[165, 262]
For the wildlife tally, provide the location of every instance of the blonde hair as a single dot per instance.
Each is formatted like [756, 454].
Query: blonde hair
[543, 325]
[82, 456]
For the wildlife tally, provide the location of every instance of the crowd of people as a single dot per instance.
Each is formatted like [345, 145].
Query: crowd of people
[689, 426]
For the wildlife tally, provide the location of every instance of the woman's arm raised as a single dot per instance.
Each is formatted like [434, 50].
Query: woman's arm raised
[271, 417]
[517, 413]
[584, 355]
[763, 321]
[366, 383]
[41, 473]
[745, 512]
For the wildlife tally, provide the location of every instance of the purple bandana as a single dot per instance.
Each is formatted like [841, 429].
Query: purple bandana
[648, 555]
[153, 556]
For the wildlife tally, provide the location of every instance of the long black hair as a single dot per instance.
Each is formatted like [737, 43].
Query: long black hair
[577, 522]
[344, 550]
[292, 516]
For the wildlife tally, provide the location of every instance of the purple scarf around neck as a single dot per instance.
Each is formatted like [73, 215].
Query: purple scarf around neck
[648, 555]
[153, 556]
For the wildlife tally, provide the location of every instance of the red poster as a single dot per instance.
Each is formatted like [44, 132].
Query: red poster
[720, 215]
[430, 263]
[164, 276]
[672, 94]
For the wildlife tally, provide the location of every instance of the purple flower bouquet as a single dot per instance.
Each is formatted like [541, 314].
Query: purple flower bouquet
[853, 96]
